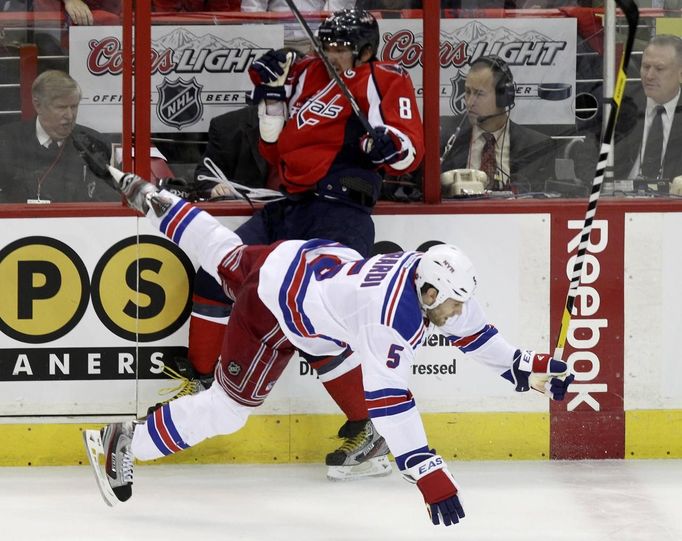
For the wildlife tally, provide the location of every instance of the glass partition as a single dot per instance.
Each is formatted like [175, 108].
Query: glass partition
[44, 99]
[544, 61]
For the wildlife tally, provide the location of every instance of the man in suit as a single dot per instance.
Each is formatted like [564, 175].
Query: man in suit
[513, 157]
[40, 162]
[649, 130]
[233, 146]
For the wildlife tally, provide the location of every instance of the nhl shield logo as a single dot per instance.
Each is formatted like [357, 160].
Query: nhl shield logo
[179, 102]
[457, 104]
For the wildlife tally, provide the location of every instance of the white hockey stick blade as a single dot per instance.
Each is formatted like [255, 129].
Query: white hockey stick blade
[378, 466]
[95, 450]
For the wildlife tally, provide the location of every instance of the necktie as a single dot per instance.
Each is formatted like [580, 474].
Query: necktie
[488, 164]
[53, 146]
[651, 163]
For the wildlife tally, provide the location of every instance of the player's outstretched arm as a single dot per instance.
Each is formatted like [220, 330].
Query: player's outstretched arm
[200, 235]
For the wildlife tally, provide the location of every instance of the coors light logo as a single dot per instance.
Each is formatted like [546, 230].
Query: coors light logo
[463, 46]
[179, 51]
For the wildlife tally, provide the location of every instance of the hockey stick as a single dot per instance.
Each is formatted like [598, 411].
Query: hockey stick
[330, 69]
[631, 13]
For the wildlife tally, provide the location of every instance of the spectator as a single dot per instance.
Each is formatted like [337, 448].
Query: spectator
[512, 156]
[195, 5]
[302, 5]
[233, 146]
[40, 162]
[293, 35]
[389, 4]
[79, 11]
[649, 131]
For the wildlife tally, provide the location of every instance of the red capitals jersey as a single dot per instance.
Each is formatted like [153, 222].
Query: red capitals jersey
[322, 131]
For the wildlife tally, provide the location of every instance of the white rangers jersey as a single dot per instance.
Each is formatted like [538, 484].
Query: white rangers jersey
[327, 299]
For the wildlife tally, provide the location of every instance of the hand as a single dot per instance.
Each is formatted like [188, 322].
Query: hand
[223, 191]
[269, 73]
[382, 146]
[541, 372]
[79, 12]
[439, 489]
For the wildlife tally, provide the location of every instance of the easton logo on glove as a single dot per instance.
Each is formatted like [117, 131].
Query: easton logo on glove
[541, 372]
[430, 464]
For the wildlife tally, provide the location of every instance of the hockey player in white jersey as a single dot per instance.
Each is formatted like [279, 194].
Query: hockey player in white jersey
[321, 298]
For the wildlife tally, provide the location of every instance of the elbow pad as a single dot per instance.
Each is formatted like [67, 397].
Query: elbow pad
[271, 125]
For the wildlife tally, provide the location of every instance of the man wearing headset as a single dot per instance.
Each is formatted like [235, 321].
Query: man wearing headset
[513, 157]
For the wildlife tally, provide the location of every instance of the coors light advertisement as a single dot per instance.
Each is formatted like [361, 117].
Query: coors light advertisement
[539, 52]
[198, 72]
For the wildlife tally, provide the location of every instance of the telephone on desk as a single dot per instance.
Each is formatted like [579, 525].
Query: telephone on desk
[463, 182]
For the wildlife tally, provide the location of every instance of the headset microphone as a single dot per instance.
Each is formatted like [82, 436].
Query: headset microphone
[482, 118]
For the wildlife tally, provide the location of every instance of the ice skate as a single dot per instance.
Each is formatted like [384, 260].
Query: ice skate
[188, 381]
[115, 476]
[140, 194]
[364, 453]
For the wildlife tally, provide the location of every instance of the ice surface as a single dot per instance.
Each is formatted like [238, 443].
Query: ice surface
[634, 500]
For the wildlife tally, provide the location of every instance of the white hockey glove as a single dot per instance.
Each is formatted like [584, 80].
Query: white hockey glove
[541, 372]
[429, 471]
[269, 73]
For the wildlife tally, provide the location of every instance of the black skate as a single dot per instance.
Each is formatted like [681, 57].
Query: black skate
[115, 476]
[364, 453]
[189, 382]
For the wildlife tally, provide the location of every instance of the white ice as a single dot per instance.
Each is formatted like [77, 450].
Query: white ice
[634, 500]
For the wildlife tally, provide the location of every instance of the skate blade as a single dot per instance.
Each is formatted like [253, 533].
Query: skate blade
[94, 448]
[378, 466]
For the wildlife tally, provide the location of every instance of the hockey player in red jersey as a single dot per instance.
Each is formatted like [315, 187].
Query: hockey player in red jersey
[322, 298]
[331, 170]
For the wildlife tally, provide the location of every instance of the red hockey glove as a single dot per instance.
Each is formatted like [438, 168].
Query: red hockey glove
[439, 489]
[382, 146]
[541, 372]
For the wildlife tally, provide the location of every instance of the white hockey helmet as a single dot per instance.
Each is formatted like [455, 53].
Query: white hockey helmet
[449, 270]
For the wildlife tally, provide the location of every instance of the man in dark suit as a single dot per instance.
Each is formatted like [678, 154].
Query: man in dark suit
[233, 146]
[40, 162]
[512, 156]
[649, 131]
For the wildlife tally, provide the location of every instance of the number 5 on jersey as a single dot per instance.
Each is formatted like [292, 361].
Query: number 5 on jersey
[394, 355]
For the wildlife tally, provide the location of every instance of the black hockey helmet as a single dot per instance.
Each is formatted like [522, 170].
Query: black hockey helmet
[354, 28]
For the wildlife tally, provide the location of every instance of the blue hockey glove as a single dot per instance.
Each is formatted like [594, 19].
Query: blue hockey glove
[269, 73]
[541, 372]
[439, 489]
[382, 146]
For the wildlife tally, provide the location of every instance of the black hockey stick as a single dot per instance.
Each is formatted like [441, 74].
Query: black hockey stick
[330, 69]
[631, 13]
